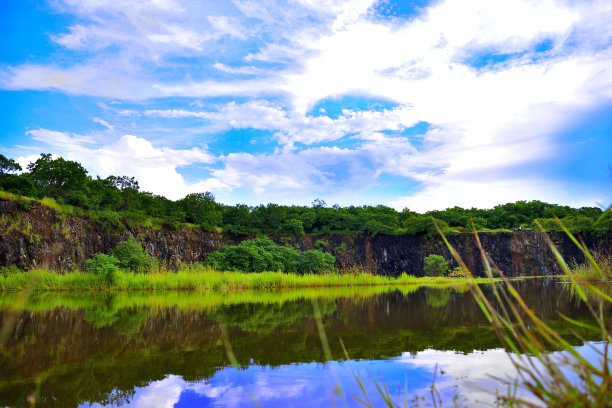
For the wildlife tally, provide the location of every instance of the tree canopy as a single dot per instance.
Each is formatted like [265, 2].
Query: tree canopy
[123, 202]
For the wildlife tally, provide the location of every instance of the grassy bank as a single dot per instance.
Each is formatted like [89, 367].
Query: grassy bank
[598, 271]
[204, 279]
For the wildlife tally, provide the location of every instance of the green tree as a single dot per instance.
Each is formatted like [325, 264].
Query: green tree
[237, 219]
[262, 254]
[425, 225]
[293, 227]
[316, 262]
[103, 265]
[132, 256]
[8, 165]
[201, 209]
[435, 265]
[58, 178]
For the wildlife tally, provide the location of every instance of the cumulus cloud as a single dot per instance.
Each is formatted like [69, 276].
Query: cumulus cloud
[497, 81]
[155, 168]
[335, 173]
[291, 128]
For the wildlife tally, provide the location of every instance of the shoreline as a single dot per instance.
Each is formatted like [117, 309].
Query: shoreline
[204, 280]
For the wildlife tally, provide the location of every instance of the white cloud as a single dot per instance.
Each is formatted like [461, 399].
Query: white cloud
[335, 173]
[104, 123]
[291, 128]
[155, 168]
[229, 26]
[486, 120]
[246, 70]
[60, 139]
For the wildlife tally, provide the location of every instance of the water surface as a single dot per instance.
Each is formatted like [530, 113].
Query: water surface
[167, 350]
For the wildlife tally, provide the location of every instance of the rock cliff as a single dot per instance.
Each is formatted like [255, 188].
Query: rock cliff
[42, 237]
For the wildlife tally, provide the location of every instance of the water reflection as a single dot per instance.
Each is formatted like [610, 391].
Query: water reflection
[167, 350]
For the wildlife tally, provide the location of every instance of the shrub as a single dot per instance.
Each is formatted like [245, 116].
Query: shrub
[435, 265]
[131, 255]
[104, 265]
[9, 270]
[262, 254]
[457, 272]
[316, 261]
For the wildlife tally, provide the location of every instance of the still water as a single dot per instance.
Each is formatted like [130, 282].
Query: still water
[168, 350]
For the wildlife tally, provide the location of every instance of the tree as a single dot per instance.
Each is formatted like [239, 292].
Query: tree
[8, 165]
[317, 202]
[201, 209]
[293, 227]
[131, 255]
[103, 265]
[237, 220]
[262, 254]
[57, 177]
[435, 265]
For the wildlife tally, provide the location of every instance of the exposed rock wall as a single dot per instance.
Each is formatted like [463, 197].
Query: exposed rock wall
[41, 237]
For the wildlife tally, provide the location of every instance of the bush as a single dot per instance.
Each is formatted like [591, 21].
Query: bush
[316, 261]
[457, 272]
[435, 265]
[9, 270]
[104, 265]
[262, 254]
[131, 255]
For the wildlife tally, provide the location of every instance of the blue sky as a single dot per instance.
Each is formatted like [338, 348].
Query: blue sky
[422, 104]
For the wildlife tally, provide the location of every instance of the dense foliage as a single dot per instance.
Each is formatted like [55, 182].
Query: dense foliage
[132, 256]
[262, 254]
[118, 202]
[104, 265]
[435, 265]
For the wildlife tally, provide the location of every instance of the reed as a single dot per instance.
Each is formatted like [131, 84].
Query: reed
[566, 378]
[588, 272]
[201, 278]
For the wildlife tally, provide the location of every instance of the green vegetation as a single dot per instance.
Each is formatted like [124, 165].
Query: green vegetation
[105, 266]
[201, 278]
[132, 256]
[130, 268]
[262, 254]
[572, 377]
[435, 265]
[598, 271]
[117, 202]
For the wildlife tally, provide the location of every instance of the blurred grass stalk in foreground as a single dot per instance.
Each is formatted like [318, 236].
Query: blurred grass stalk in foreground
[561, 379]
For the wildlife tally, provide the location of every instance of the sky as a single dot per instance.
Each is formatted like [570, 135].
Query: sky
[418, 104]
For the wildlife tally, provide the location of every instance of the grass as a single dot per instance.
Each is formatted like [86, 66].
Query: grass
[568, 378]
[113, 219]
[199, 278]
[598, 271]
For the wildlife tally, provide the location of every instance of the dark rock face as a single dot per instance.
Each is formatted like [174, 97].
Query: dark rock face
[41, 237]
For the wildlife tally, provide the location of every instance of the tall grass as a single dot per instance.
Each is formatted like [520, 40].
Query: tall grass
[201, 278]
[600, 270]
[563, 379]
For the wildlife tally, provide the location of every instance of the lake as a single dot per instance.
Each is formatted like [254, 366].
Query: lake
[168, 349]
